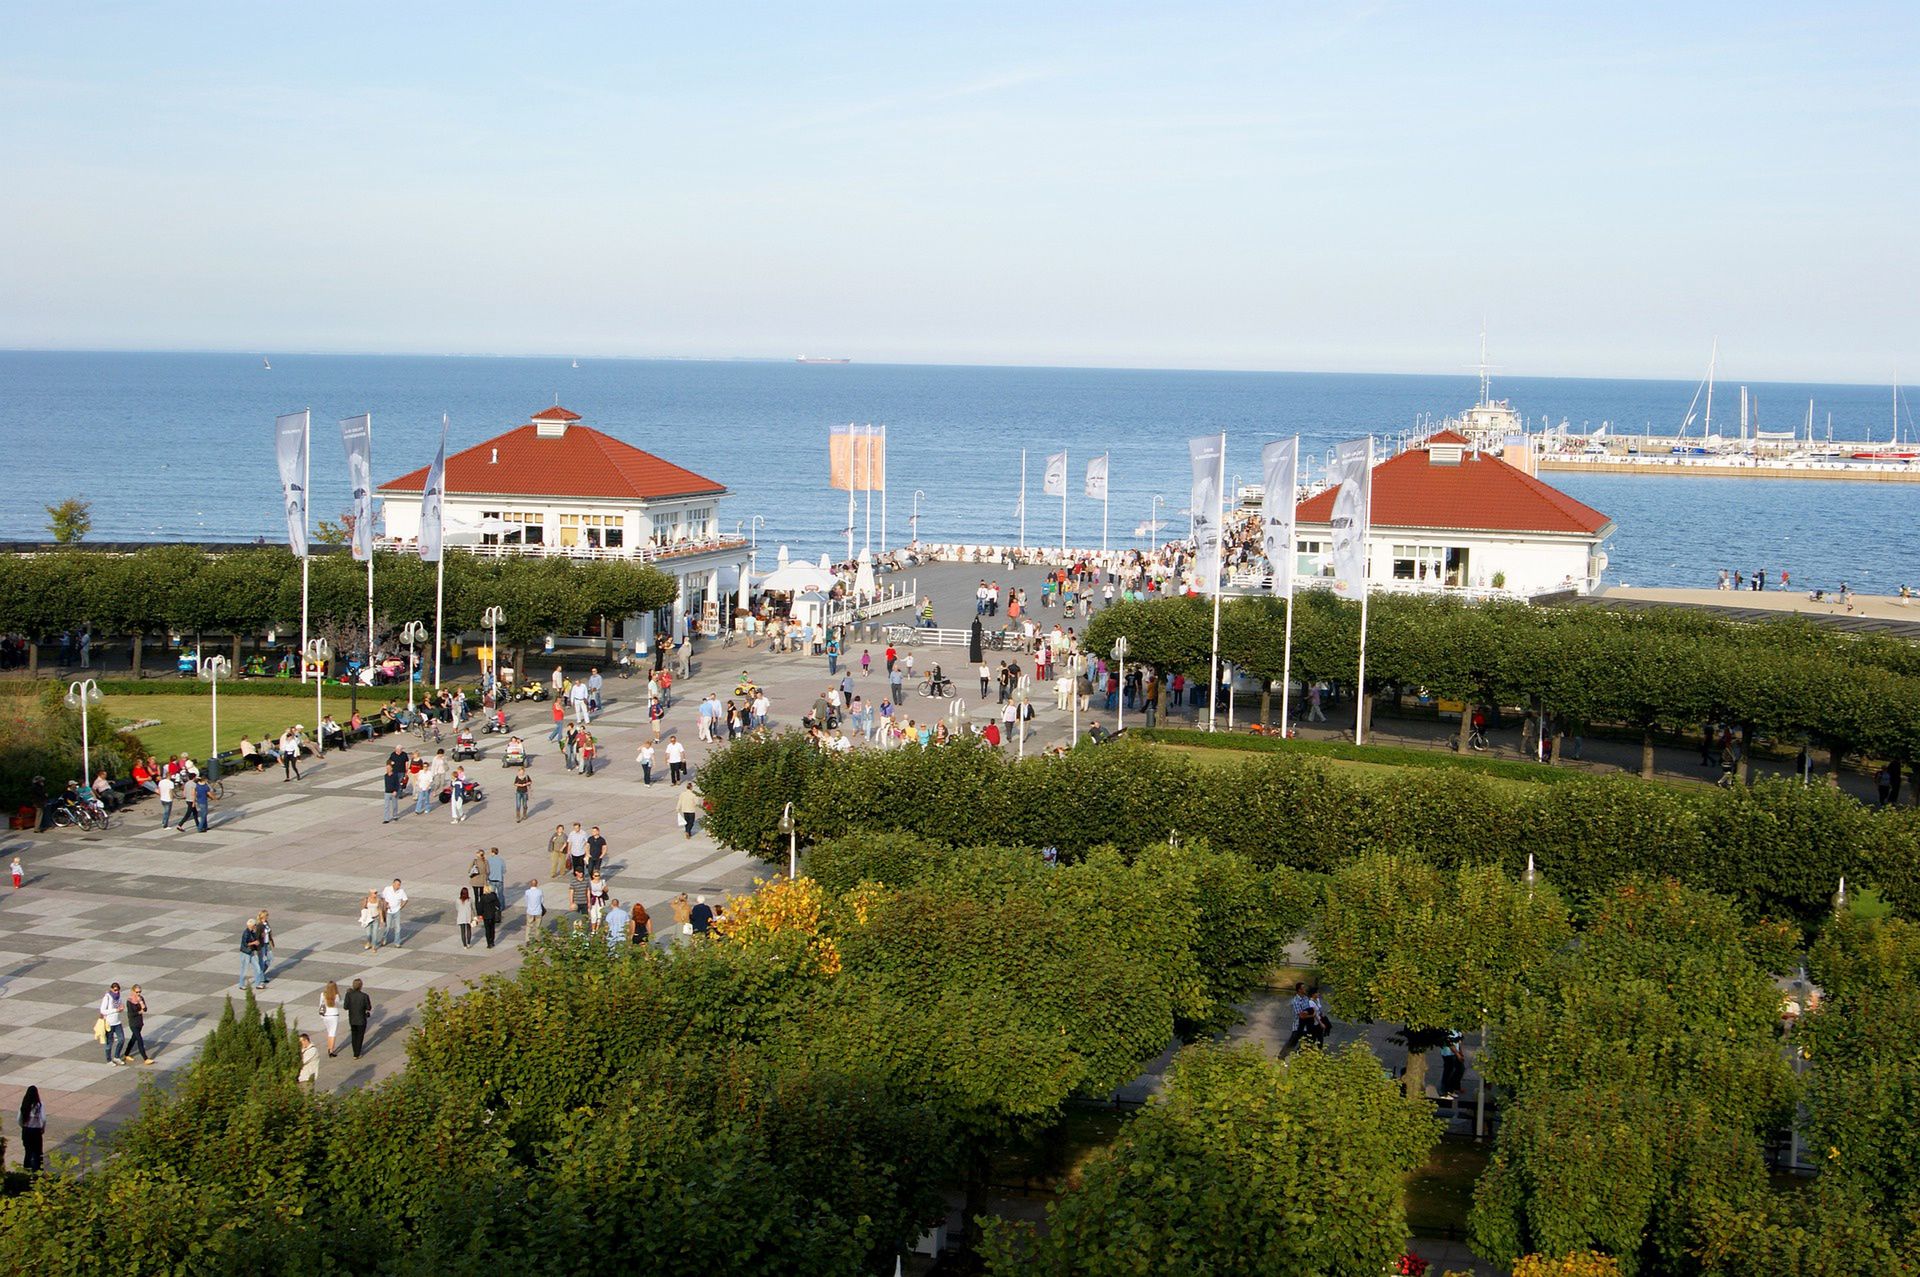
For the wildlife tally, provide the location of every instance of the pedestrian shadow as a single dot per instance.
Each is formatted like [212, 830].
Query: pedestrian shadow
[389, 1026]
[282, 965]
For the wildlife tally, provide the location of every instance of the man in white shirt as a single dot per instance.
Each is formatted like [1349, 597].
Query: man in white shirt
[111, 1006]
[577, 847]
[166, 799]
[676, 760]
[761, 708]
[536, 905]
[396, 898]
[580, 710]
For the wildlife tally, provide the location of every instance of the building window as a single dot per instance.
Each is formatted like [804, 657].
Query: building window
[699, 523]
[593, 531]
[523, 527]
[1430, 564]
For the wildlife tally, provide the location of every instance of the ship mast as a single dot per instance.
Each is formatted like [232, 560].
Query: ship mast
[1712, 359]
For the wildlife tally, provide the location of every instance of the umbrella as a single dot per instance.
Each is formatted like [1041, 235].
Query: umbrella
[797, 578]
[864, 585]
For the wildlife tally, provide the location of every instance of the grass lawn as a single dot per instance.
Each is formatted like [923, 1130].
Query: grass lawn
[180, 723]
[1228, 757]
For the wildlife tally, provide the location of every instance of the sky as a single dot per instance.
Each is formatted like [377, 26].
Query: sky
[1607, 188]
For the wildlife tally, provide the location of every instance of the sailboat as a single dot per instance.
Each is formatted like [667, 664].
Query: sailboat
[1895, 453]
[576, 363]
[1710, 439]
[266, 363]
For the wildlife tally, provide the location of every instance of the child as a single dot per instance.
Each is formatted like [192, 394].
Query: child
[19, 874]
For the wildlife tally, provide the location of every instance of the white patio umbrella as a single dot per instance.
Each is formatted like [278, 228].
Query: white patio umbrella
[798, 578]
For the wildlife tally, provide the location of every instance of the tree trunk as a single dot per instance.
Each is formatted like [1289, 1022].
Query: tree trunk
[1266, 706]
[1365, 711]
[236, 653]
[1746, 751]
[1834, 755]
[1416, 1076]
[1646, 753]
[1553, 749]
[138, 640]
[33, 658]
[974, 1204]
[1466, 727]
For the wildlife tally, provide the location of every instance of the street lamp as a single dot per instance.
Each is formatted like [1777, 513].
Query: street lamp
[491, 618]
[319, 652]
[1840, 897]
[1120, 676]
[81, 694]
[792, 831]
[1153, 523]
[413, 632]
[915, 520]
[213, 669]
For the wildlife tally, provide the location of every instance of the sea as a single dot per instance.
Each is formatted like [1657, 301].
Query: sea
[172, 447]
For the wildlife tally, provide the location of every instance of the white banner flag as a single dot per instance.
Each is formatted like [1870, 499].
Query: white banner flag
[1056, 480]
[433, 502]
[1097, 478]
[290, 446]
[1204, 506]
[1352, 515]
[1280, 471]
[356, 434]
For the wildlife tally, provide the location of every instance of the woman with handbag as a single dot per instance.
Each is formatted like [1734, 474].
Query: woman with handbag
[373, 914]
[33, 1129]
[330, 1015]
[463, 917]
[136, 1024]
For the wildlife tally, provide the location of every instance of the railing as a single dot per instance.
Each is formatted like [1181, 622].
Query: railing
[648, 553]
[892, 598]
[1249, 581]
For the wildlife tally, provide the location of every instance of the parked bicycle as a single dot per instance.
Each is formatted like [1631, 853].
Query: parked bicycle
[68, 812]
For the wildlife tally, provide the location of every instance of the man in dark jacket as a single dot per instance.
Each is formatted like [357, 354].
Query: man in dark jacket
[488, 907]
[359, 1006]
[249, 954]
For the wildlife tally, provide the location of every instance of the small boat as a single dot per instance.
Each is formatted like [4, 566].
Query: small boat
[1885, 454]
[576, 363]
[266, 363]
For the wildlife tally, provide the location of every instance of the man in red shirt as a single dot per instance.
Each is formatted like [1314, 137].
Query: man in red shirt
[890, 657]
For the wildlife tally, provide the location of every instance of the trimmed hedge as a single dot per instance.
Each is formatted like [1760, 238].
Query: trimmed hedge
[1776, 847]
[1346, 751]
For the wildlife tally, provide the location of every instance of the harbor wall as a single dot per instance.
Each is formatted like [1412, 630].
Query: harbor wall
[1726, 470]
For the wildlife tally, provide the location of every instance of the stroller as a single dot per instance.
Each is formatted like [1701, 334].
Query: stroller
[464, 746]
[515, 754]
[469, 791]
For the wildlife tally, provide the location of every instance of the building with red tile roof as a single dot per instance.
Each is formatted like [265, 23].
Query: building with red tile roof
[1448, 516]
[558, 487]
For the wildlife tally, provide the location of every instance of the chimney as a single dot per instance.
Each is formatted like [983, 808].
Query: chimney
[494, 460]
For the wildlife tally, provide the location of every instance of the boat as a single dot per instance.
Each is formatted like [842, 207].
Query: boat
[1885, 454]
[817, 359]
[576, 363]
[266, 363]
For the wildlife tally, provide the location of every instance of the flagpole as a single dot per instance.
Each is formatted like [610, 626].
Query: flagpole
[883, 489]
[1366, 534]
[1023, 500]
[868, 485]
[440, 562]
[1219, 558]
[306, 503]
[1065, 466]
[1106, 503]
[1286, 666]
[369, 541]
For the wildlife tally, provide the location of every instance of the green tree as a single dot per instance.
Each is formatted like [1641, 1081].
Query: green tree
[69, 521]
[1398, 939]
[1241, 1165]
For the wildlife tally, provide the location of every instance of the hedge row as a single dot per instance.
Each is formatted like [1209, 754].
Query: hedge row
[1665, 670]
[1777, 847]
[1346, 751]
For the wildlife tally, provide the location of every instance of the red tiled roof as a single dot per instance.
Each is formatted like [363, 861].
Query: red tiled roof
[556, 413]
[1482, 493]
[583, 462]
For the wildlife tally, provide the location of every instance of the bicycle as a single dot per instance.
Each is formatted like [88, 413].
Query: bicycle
[936, 685]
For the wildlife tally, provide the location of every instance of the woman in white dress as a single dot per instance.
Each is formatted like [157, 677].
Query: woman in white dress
[330, 1014]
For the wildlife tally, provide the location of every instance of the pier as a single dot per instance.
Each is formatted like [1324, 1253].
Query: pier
[1726, 468]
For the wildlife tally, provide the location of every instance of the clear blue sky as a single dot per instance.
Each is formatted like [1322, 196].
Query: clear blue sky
[1259, 186]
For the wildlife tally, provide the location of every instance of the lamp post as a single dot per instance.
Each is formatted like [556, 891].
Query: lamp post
[81, 694]
[413, 632]
[792, 831]
[213, 669]
[915, 520]
[491, 618]
[1153, 523]
[319, 652]
[1120, 677]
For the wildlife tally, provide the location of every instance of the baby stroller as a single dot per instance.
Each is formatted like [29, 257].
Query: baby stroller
[469, 791]
[464, 746]
[515, 754]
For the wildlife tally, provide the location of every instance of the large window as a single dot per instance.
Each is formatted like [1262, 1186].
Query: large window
[593, 531]
[1430, 564]
[525, 528]
[699, 523]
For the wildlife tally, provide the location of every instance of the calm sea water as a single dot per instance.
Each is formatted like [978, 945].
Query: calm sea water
[171, 446]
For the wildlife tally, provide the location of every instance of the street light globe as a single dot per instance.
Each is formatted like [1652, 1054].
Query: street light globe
[214, 667]
[319, 649]
[1120, 648]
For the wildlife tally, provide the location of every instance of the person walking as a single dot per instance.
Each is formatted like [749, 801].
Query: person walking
[249, 954]
[645, 759]
[676, 760]
[577, 894]
[556, 851]
[586, 747]
[896, 684]
[522, 794]
[535, 903]
[358, 1006]
[596, 851]
[457, 794]
[559, 720]
[33, 1130]
[422, 790]
[639, 925]
[309, 1076]
[184, 788]
[497, 871]
[688, 807]
[391, 784]
[577, 848]
[290, 753]
[395, 898]
[463, 917]
[372, 916]
[330, 1017]
[265, 929]
[488, 907]
[136, 1014]
[112, 1013]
